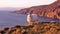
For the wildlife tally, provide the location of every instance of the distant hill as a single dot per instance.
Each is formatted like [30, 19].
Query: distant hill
[9, 9]
[50, 11]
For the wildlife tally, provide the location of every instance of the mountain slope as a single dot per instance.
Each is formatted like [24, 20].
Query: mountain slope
[50, 11]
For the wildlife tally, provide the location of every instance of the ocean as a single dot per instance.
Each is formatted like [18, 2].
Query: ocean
[8, 19]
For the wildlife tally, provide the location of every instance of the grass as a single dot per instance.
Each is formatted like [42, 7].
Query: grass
[34, 28]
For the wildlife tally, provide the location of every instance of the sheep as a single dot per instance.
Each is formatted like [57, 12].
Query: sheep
[32, 18]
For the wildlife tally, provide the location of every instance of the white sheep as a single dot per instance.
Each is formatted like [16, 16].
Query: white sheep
[32, 18]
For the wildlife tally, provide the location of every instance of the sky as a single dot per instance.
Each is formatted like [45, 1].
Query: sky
[24, 3]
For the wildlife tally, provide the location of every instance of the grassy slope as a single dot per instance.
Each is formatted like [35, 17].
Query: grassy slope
[35, 28]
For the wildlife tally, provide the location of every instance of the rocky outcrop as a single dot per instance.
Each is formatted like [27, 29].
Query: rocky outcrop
[34, 28]
[50, 11]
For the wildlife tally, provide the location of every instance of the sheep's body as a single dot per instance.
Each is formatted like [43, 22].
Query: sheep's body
[32, 18]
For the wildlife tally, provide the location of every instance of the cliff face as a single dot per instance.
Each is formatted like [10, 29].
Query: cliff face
[50, 11]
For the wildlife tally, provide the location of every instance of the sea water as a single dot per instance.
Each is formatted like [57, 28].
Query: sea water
[8, 19]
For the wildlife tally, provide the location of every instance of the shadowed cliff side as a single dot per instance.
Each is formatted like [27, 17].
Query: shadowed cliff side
[50, 11]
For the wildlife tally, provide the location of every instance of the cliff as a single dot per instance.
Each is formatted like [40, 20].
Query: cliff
[34, 28]
[50, 11]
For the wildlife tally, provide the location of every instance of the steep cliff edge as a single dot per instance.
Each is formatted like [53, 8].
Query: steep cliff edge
[50, 11]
